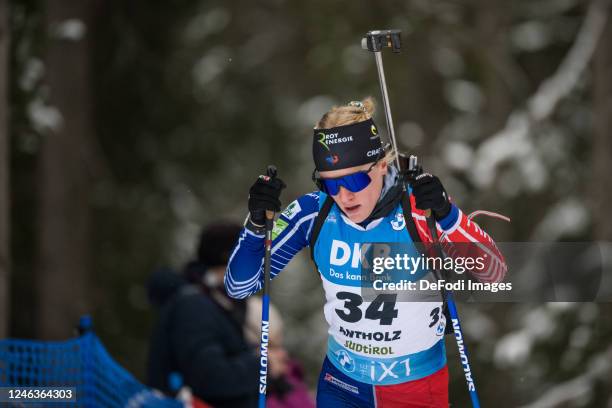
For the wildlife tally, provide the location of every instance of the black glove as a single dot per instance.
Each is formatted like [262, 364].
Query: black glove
[264, 195]
[429, 193]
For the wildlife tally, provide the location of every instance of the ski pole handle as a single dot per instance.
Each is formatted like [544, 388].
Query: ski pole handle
[271, 172]
[413, 170]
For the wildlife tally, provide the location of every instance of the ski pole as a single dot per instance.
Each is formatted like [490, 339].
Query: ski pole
[449, 299]
[265, 304]
[375, 41]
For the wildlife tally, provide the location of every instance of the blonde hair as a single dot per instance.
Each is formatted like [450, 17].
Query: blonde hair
[353, 112]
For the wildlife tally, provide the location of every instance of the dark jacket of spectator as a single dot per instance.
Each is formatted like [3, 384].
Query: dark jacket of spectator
[199, 336]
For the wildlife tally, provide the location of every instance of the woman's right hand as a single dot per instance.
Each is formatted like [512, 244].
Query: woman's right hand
[264, 195]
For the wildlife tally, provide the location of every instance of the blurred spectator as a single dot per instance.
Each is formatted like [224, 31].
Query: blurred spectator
[199, 334]
[286, 387]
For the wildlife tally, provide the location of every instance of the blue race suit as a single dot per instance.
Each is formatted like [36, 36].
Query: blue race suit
[372, 343]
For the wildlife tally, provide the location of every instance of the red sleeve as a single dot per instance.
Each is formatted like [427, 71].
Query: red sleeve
[465, 230]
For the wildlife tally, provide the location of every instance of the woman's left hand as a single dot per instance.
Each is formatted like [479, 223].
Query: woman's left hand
[429, 193]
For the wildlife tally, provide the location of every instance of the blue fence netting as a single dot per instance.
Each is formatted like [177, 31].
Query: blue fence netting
[82, 363]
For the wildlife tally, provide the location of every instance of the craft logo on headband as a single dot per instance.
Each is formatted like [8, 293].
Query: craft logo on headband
[346, 146]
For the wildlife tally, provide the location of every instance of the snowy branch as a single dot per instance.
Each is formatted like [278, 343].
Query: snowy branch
[513, 141]
[551, 91]
[571, 390]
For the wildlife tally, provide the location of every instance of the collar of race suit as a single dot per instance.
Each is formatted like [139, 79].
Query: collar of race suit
[390, 195]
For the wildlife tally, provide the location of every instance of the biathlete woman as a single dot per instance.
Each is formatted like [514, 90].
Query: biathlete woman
[381, 353]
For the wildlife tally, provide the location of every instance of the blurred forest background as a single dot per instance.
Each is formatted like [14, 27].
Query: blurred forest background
[125, 126]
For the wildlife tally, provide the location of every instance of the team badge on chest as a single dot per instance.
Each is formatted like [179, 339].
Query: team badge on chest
[398, 223]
